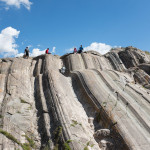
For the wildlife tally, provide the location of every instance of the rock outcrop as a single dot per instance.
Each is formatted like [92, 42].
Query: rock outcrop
[102, 102]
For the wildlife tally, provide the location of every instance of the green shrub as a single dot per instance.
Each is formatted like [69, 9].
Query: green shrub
[86, 148]
[66, 145]
[31, 142]
[148, 53]
[25, 146]
[9, 136]
[23, 101]
[74, 123]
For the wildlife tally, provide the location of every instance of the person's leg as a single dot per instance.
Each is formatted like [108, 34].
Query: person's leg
[79, 51]
[27, 55]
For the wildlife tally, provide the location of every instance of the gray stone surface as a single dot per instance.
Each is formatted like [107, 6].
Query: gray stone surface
[101, 102]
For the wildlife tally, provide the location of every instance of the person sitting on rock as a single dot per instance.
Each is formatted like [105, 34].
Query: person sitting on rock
[47, 51]
[75, 51]
[63, 70]
[80, 49]
[26, 51]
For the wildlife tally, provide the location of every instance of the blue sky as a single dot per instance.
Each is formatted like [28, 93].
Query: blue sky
[63, 24]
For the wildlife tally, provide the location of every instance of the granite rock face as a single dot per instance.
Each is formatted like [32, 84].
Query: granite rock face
[102, 102]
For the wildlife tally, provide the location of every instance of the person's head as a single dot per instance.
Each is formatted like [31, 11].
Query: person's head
[26, 47]
[81, 45]
[47, 48]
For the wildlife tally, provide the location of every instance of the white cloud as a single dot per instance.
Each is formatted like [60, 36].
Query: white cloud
[8, 46]
[54, 49]
[19, 55]
[69, 50]
[6, 8]
[36, 52]
[17, 3]
[102, 48]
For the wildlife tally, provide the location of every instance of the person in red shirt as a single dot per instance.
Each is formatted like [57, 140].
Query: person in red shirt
[47, 51]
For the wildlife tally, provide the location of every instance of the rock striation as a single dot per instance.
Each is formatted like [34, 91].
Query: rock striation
[102, 102]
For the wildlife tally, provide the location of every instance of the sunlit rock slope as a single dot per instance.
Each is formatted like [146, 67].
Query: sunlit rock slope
[102, 102]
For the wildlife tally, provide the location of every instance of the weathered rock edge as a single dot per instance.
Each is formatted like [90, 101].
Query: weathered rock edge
[101, 101]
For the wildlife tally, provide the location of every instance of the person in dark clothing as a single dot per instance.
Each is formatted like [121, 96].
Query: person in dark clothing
[80, 49]
[26, 51]
[47, 51]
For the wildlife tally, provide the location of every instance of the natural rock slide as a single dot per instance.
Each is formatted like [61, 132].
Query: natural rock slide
[101, 102]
